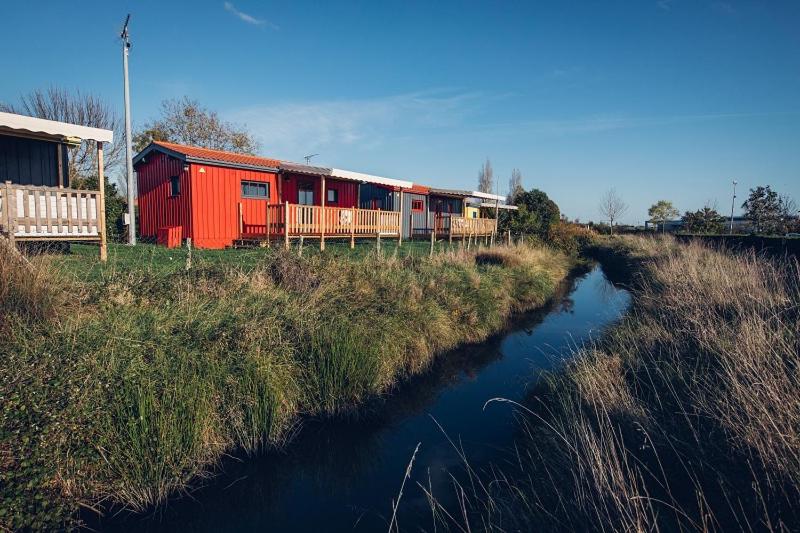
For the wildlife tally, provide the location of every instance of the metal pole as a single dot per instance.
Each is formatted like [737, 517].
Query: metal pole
[733, 201]
[126, 45]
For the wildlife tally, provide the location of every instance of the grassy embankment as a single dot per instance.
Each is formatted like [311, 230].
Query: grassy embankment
[126, 382]
[686, 416]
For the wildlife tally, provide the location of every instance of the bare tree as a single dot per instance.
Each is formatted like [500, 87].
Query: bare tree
[486, 177]
[76, 108]
[185, 121]
[515, 185]
[612, 207]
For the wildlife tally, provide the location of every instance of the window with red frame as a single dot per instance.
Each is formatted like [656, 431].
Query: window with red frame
[417, 205]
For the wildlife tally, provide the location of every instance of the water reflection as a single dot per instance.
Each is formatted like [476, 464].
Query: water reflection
[343, 474]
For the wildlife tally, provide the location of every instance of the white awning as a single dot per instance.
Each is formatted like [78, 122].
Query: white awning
[52, 129]
[493, 205]
[469, 194]
[358, 176]
[487, 196]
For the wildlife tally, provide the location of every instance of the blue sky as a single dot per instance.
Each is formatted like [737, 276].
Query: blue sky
[660, 99]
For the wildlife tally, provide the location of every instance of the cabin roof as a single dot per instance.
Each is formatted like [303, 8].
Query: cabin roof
[195, 154]
[50, 130]
[299, 168]
[468, 194]
[369, 178]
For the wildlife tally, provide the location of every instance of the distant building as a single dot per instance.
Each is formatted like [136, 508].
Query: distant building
[740, 225]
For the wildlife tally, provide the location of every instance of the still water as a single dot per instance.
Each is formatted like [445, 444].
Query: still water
[343, 475]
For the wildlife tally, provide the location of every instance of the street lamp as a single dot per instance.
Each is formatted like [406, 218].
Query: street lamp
[733, 201]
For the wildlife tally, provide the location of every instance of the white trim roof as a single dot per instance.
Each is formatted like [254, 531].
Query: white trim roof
[492, 205]
[469, 194]
[52, 128]
[369, 178]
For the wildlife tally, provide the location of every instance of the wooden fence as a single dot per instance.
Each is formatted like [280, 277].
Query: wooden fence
[459, 226]
[50, 213]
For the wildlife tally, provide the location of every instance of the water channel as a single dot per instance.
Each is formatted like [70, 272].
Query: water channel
[342, 475]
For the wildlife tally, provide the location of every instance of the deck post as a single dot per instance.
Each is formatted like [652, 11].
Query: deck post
[449, 229]
[496, 217]
[266, 222]
[353, 228]
[286, 224]
[10, 202]
[378, 243]
[101, 205]
[322, 216]
[400, 220]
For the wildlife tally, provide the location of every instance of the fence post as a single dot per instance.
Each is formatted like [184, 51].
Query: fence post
[10, 202]
[353, 229]
[379, 243]
[286, 224]
[188, 253]
[433, 241]
[300, 247]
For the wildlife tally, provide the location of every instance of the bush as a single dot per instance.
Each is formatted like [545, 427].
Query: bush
[570, 238]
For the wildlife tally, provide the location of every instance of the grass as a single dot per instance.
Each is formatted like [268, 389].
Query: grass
[686, 416]
[123, 384]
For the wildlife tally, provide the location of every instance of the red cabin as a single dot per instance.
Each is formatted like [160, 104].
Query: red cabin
[217, 198]
[201, 190]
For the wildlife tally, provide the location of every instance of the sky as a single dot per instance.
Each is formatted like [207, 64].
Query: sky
[659, 99]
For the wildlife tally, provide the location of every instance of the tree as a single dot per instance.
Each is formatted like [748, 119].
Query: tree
[706, 220]
[535, 215]
[612, 207]
[486, 177]
[76, 108]
[515, 185]
[185, 121]
[769, 212]
[662, 211]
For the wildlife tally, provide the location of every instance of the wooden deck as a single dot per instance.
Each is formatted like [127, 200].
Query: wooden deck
[293, 221]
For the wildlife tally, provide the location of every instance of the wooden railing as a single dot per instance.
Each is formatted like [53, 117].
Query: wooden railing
[30, 212]
[459, 226]
[314, 220]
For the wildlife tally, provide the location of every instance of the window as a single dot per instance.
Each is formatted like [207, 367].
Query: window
[474, 214]
[305, 194]
[255, 189]
[175, 186]
[417, 205]
[333, 196]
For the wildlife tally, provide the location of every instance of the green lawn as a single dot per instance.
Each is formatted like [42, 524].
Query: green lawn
[82, 261]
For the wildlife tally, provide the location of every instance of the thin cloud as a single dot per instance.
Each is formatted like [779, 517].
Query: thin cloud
[296, 127]
[665, 5]
[250, 19]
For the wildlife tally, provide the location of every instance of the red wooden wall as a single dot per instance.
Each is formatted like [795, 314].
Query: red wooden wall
[157, 208]
[216, 194]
